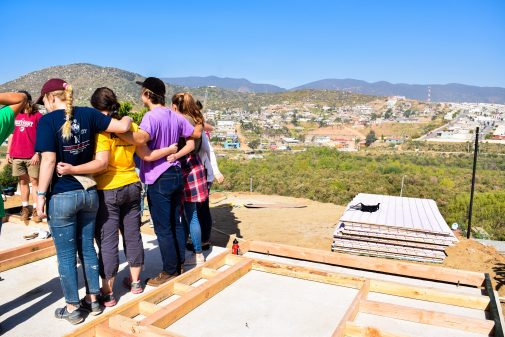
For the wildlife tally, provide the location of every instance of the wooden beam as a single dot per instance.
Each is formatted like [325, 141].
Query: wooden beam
[183, 305]
[23, 259]
[404, 269]
[353, 330]
[131, 308]
[209, 273]
[310, 274]
[406, 313]
[429, 294]
[148, 308]
[25, 248]
[131, 326]
[353, 310]
[182, 288]
[494, 309]
[103, 330]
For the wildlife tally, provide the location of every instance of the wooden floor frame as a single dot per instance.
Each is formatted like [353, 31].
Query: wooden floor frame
[145, 316]
[26, 253]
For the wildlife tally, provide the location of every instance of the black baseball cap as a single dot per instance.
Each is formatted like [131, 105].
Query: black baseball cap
[154, 84]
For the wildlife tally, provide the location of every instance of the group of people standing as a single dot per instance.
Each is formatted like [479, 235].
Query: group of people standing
[89, 190]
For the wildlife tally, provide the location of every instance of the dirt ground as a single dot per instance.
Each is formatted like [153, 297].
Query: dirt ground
[312, 227]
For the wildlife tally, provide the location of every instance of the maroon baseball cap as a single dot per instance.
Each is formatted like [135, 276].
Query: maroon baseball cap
[53, 84]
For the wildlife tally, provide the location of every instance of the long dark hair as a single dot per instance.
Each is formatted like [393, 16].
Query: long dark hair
[104, 99]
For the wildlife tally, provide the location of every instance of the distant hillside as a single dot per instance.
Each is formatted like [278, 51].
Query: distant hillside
[85, 78]
[452, 92]
[237, 84]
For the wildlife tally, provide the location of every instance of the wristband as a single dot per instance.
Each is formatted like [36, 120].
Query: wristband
[41, 193]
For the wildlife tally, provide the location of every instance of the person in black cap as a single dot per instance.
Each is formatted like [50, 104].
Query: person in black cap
[154, 89]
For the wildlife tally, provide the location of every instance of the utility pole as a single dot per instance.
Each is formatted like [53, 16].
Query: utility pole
[470, 209]
[401, 189]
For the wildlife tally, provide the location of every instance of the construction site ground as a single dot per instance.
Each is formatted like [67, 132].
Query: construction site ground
[33, 290]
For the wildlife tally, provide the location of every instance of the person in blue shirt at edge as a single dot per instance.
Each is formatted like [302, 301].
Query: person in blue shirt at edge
[66, 136]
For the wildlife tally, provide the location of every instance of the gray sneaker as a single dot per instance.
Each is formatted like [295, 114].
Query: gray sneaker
[94, 308]
[74, 317]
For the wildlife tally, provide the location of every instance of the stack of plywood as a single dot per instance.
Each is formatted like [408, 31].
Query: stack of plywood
[402, 228]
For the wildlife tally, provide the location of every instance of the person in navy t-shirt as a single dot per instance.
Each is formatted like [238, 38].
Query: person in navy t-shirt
[66, 139]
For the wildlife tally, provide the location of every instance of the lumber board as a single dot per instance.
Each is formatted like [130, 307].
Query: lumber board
[148, 308]
[353, 330]
[25, 248]
[429, 294]
[23, 259]
[406, 313]
[494, 307]
[309, 274]
[183, 305]
[131, 326]
[131, 308]
[353, 310]
[103, 330]
[368, 263]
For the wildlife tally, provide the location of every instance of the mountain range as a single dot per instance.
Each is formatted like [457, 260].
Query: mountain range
[229, 92]
[237, 84]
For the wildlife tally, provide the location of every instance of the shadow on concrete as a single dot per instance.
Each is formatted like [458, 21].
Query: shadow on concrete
[499, 269]
[224, 224]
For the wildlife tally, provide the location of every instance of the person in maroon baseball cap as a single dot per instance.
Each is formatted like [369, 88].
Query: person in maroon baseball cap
[66, 139]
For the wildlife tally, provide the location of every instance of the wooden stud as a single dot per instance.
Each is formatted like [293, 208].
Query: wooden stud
[103, 330]
[180, 307]
[25, 249]
[353, 330]
[310, 274]
[209, 272]
[182, 288]
[131, 326]
[367, 263]
[427, 317]
[27, 258]
[429, 294]
[148, 308]
[353, 310]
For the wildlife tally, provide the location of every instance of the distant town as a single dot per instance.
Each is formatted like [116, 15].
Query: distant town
[287, 126]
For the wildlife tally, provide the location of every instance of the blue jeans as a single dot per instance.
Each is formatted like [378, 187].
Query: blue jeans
[190, 210]
[164, 197]
[72, 223]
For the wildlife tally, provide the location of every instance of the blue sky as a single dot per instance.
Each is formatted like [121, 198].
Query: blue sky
[286, 43]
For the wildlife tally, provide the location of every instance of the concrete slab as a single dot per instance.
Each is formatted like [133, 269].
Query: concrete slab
[263, 304]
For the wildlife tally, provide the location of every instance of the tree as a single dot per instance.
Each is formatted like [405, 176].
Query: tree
[388, 114]
[370, 138]
[253, 144]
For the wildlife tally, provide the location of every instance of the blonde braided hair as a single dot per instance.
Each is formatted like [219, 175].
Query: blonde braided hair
[66, 129]
[67, 97]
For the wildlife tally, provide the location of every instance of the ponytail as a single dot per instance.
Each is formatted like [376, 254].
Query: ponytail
[186, 105]
[66, 129]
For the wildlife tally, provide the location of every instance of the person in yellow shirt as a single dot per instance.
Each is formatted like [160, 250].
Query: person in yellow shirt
[119, 192]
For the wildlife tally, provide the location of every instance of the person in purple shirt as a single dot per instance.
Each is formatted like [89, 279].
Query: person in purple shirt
[162, 127]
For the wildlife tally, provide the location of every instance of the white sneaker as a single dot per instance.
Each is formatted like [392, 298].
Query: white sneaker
[195, 259]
